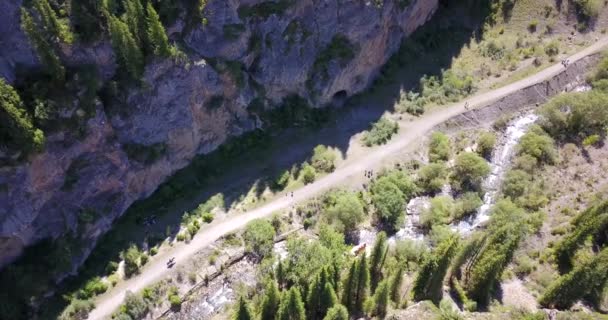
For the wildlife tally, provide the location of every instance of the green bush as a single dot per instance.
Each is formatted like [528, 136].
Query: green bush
[466, 205]
[207, 217]
[432, 177]
[552, 49]
[440, 212]
[516, 183]
[259, 237]
[439, 147]
[381, 132]
[389, 201]
[539, 145]
[323, 159]
[132, 260]
[283, 180]
[469, 171]
[308, 173]
[16, 127]
[573, 115]
[78, 309]
[485, 144]
[429, 280]
[134, 305]
[175, 301]
[345, 212]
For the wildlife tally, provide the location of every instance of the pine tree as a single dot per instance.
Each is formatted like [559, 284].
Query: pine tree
[242, 312]
[292, 307]
[328, 300]
[135, 18]
[377, 259]
[395, 285]
[157, 38]
[315, 291]
[350, 287]
[280, 275]
[362, 283]
[271, 301]
[15, 124]
[337, 312]
[128, 54]
[86, 17]
[429, 281]
[50, 22]
[43, 48]
[381, 300]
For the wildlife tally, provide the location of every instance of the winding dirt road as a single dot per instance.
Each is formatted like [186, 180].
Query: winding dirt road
[156, 269]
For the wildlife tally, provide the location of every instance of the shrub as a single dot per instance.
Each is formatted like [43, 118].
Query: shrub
[568, 116]
[175, 301]
[207, 217]
[432, 177]
[154, 251]
[16, 127]
[134, 305]
[389, 201]
[516, 183]
[381, 132]
[591, 140]
[552, 49]
[346, 212]
[132, 260]
[467, 205]
[259, 237]
[469, 171]
[78, 309]
[539, 145]
[485, 144]
[440, 212]
[283, 180]
[308, 173]
[429, 280]
[323, 159]
[439, 147]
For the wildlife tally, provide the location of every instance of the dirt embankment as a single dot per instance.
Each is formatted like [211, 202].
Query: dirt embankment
[525, 99]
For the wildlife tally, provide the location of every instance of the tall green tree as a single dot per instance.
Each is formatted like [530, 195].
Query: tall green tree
[337, 312]
[135, 18]
[86, 17]
[328, 299]
[381, 300]
[157, 38]
[315, 292]
[292, 307]
[429, 281]
[16, 126]
[128, 53]
[271, 301]
[362, 283]
[395, 285]
[43, 48]
[377, 258]
[51, 24]
[350, 286]
[243, 312]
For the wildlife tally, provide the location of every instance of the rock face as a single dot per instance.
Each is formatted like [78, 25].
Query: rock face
[321, 50]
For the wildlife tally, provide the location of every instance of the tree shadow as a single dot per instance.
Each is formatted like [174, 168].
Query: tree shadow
[252, 162]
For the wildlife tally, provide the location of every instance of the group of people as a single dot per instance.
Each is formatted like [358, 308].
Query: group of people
[171, 262]
[369, 174]
[565, 63]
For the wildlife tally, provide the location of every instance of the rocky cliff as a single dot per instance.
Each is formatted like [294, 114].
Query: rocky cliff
[320, 50]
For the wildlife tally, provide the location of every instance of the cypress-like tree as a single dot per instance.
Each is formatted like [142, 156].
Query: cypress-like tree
[328, 300]
[292, 307]
[271, 301]
[362, 283]
[135, 18]
[128, 53]
[350, 287]
[314, 296]
[43, 48]
[157, 38]
[243, 312]
[280, 275]
[395, 285]
[381, 300]
[15, 124]
[51, 23]
[377, 257]
[337, 312]
[429, 281]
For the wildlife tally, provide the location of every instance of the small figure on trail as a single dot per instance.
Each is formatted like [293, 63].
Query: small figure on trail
[466, 105]
[292, 194]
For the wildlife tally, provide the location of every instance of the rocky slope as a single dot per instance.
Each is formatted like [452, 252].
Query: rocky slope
[323, 51]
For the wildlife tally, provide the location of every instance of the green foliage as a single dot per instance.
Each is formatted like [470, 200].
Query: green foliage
[600, 74]
[135, 19]
[439, 147]
[516, 183]
[134, 305]
[469, 171]
[485, 144]
[283, 180]
[92, 288]
[306, 258]
[447, 312]
[259, 237]
[394, 286]
[207, 217]
[591, 223]
[78, 309]
[389, 201]
[16, 127]
[451, 87]
[337, 312]
[432, 177]
[86, 17]
[271, 301]
[339, 49]
[586, 280]
[158, 41]
[429, 281]
[466, 205]
[175, 301]
[539, 145]
[321, 295]
[573, 115]
[591, 140]
[588, 10]
[345, 211]
[308, 173]
[43, 47]
[292, 307]
[409, 253]
[552, 49]
[51, 24]
[126, 47]
[439, 212]
[381, 132]
[381, 300]
[242, 312]
[323, 159]
[132, 260]
[377, 259]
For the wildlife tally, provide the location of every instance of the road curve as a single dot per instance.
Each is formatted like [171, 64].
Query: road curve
[156, 269]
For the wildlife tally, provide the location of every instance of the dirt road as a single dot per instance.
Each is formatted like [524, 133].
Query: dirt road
[156, 269]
